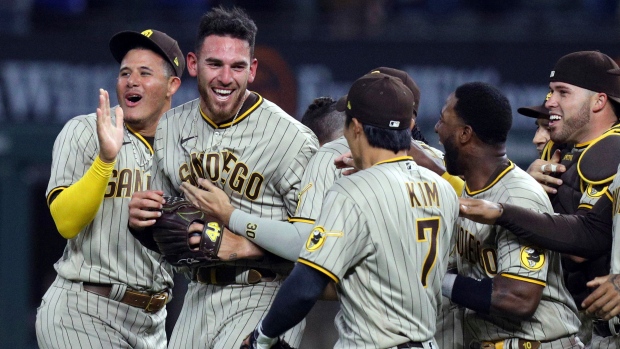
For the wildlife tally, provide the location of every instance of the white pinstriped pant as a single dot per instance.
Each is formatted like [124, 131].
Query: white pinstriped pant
[220, 317]
[70, 317]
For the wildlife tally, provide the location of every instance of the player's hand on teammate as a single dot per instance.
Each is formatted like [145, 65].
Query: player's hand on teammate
[110, 136]
[144, 208]
[232, 247]
[345, 161]
[541, 170]
[604, 301]
[481, 211]
[210, 199]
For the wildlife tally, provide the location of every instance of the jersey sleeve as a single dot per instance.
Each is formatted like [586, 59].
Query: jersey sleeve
[339, 240]
[75, 150]
[586, 236]
[318, 177]
[520, 259]
[290, 185]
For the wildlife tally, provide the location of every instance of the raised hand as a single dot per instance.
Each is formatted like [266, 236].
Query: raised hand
[110, 136]
[481, 211]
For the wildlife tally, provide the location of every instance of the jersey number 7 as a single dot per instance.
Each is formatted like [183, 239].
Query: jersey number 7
[428, 229]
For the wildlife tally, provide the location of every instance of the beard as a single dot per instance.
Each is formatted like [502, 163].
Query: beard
[451, 157]
[216, 110]
[572, 125]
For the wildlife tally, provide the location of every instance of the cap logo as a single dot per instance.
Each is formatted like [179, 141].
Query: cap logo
[394, 123]
[147, 33]
[176, 61]
[548, 96]
[349, 105]
[552, 73]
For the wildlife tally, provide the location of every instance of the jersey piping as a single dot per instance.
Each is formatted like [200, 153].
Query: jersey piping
[235, 121]
[511, 165]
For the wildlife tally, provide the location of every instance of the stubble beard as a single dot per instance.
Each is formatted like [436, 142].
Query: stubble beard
[572, 126]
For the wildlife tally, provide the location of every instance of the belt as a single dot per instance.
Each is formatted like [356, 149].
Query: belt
[151, 303]
[410, 345]
[228, 275]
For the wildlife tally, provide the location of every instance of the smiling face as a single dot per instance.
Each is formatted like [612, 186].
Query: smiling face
[541, 137]
[569, 113]
[223, 67]
[144, 88]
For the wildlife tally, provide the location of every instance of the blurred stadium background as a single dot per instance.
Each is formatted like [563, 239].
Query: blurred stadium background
[55, 56]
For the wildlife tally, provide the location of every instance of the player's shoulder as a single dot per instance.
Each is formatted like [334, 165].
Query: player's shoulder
[434, 152]
[88, 121]
[337, 147]
[271, 113]
[519, 188]
[598, 163]
[180, 112]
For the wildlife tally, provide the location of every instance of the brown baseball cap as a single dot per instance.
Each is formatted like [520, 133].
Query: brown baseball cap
[406, 79]
[379, 100]
[159, 42]
[589, 70]
[536, 111]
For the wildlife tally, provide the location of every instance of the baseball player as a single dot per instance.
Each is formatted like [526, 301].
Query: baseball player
[541, 114]
[252, 150]
[362, 245]
[513, 290]
[583, 101]
[110, 292]
[323, 119]
[318, 177]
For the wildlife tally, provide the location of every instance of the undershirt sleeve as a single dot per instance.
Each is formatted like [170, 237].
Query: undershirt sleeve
[281, 238]
[76, 206]
[588, 235]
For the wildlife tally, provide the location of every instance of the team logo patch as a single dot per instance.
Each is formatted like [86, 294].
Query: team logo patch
[316, 239]
[147, 33]
[532, 258]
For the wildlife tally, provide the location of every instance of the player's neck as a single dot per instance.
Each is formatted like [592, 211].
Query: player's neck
[372, 156]
[482, 167]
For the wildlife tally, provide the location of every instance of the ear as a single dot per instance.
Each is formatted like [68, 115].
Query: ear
[192, 64]
[253, 67]
[465, 134]
[598, 102]
[174, 82]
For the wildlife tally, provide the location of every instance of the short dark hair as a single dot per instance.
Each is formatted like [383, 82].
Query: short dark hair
[486, 110]
[233, 22]
[323, 119]
[394, 140]
[417, 135]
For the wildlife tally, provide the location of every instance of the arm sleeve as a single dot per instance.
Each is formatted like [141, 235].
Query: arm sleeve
[281, 238]
[73, 208]
[294, 300]
[455, 181]
[587, 236]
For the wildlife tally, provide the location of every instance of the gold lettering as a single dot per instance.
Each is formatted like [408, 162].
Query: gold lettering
[123, 190]
[212, 166]
[412, 197]
[237, 178]
[432, 194]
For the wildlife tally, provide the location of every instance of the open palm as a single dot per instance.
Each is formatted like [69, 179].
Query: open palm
[110, 136]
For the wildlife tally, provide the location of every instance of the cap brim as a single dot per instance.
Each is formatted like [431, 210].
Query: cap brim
[341, 105]
[615, 71]
[534, 112]
[123, 42]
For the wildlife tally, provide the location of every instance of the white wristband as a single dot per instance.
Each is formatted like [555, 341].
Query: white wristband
[447, 284]
[264, 342]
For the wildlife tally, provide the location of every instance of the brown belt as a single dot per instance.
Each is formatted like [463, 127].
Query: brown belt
[410, 345]
[228, 275]
[151, 303]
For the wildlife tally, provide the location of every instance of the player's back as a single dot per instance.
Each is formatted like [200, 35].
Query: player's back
[407, 215]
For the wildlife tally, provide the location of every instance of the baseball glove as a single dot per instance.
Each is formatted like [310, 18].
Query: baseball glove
[250, 342]
[171, 234]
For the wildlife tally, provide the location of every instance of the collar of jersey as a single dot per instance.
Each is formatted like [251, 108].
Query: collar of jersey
[235, 121]
[139, 136]
[511, 165]
[396, 159]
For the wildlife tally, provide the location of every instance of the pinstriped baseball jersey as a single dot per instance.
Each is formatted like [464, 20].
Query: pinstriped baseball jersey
[614, 190]
[383, 235]
[258, 159]
[105, 251]
[488, 250]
